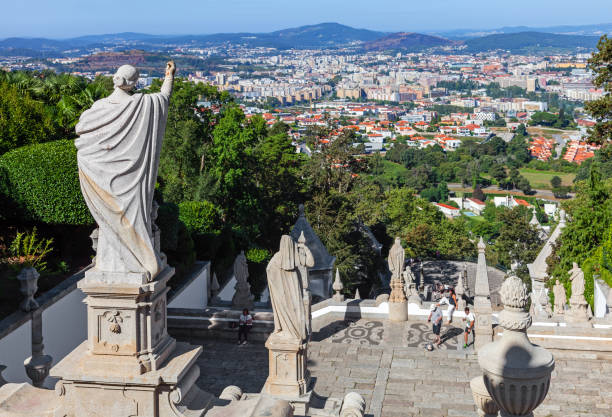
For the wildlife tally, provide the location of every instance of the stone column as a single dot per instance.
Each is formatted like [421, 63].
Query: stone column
[37, 366]
[483, 328]
[516, 372]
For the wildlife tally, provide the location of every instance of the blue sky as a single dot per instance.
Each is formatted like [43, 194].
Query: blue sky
[67, 18]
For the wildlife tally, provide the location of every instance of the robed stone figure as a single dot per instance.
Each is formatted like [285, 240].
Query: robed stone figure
[286, 293]
[396, 259]
[577, 278]
[119, 143]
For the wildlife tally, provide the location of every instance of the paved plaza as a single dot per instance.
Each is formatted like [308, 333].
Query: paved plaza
[387, 363]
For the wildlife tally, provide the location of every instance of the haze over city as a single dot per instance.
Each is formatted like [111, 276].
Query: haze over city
[68, 18]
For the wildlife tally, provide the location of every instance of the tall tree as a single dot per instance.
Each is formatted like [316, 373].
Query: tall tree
[601, 109]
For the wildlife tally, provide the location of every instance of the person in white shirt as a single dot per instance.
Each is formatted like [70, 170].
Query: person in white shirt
[244, 325]
[469, 325]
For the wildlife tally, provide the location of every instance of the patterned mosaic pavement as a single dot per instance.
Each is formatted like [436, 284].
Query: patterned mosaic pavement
[386, 363]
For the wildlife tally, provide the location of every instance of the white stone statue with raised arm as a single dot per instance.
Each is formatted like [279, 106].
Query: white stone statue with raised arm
[119, 143]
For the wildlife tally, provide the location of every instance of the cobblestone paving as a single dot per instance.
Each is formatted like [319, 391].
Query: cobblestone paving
[373, 358]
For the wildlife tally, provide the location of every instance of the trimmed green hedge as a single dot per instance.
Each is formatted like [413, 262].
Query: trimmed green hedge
[40, 183]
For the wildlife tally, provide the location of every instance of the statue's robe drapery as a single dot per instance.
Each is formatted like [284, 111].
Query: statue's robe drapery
[396, 259]
[118, 155]
[285, 288]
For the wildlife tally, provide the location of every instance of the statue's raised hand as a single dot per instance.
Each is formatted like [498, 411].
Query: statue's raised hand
[170, 68]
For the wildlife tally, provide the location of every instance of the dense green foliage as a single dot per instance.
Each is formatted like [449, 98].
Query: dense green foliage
[22, 119]
[432, 166]
[591, 221]
[601, 109]
[557, 121]
[40, 183]
[40, 107]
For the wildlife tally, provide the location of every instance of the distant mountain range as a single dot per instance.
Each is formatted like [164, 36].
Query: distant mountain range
[320, 36]
[584, 30]
[530, 41]
[407, 42]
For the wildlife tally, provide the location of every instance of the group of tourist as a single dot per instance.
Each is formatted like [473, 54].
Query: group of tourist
[436, 316]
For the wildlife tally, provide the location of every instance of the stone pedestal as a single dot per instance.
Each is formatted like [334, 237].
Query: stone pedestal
[129, 366]
[126, 322]
[168, 391]
[398, 311]
[578, 313]
[398, 303]
[288, 376]
[483, 326]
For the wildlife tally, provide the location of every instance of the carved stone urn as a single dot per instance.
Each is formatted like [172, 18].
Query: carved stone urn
[484, 403]
[28, 281]
[516, 373]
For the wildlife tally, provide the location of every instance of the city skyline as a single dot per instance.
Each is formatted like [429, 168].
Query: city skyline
[69, 18]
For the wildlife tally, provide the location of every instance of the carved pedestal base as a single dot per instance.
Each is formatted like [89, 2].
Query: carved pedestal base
[483, 326]
[578, 314]
[398, 311]
[168, 391]
[288, 376]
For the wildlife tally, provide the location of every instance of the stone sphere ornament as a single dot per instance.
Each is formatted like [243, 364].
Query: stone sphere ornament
[516, 372]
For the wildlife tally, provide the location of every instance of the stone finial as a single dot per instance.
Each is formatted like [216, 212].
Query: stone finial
[38, 365]
[231, 393]
[2, 380]
[353, 405]
[483, 329]
[337, 287]
[28, 279]
[512, 365]
[357, 295]
[514, 297]
[214, 286]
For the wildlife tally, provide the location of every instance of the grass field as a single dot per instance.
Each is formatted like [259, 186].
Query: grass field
[541, 179]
